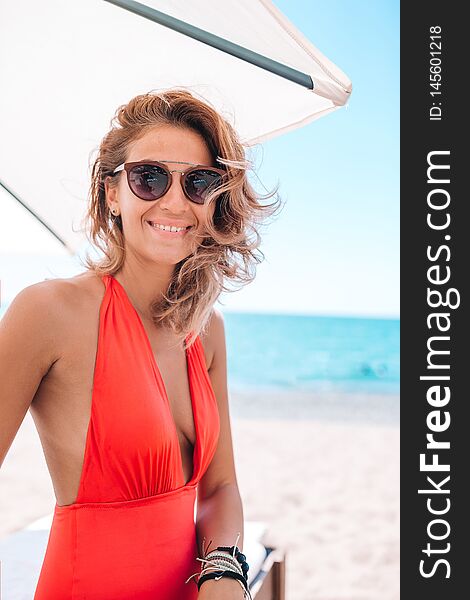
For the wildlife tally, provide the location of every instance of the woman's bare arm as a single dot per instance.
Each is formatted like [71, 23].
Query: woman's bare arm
[28, 348]
[219, 507]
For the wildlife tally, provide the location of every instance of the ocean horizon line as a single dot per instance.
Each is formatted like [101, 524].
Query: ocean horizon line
[271, 313]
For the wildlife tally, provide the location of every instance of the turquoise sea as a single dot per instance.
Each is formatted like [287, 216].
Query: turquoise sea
[328, 354]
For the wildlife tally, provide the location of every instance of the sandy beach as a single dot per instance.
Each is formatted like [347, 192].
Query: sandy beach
[321, 470]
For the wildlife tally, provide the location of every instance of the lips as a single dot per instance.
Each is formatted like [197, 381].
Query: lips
[179, 225]
[168, 234]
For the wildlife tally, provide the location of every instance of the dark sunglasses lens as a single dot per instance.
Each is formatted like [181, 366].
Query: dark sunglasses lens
[148, 181]
[199, 183]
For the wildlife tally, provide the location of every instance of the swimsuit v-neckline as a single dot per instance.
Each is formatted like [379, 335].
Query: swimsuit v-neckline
[157, 372]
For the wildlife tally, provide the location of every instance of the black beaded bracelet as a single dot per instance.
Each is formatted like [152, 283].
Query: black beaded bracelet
[241, 558]
[229, 574]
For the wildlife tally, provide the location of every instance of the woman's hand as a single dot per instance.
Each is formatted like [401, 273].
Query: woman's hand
[222, 589]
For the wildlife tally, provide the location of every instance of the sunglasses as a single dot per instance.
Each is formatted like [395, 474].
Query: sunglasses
[150, 180]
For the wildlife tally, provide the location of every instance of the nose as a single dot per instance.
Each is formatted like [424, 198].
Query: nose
[175, 200]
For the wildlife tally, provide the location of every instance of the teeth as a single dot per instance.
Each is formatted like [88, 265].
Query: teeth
[166, 227]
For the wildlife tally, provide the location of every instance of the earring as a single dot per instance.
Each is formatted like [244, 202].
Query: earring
[114, 211]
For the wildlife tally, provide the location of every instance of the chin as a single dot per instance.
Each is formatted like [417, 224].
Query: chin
[170, 260]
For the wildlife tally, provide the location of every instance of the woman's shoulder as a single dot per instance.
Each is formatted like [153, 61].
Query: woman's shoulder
[213, 338]
[60, 294]
[39, 319]
[57, 302]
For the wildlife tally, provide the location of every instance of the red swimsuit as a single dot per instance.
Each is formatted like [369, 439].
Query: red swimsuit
[131, 532]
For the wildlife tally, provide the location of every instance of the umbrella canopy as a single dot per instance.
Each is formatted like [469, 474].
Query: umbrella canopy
[66, 66]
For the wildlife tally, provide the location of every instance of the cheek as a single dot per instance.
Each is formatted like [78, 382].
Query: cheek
[133, 211]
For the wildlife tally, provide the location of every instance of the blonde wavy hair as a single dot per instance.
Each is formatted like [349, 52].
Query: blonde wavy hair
[226, 253]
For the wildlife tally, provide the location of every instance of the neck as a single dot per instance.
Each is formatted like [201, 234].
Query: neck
[144, 284]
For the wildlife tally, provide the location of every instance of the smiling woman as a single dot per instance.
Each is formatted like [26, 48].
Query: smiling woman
[123, 367]
[151, 135]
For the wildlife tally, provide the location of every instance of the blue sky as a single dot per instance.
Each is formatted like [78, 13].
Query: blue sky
[334, 249]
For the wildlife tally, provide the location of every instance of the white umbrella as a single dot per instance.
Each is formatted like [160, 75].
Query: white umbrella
[66, 66]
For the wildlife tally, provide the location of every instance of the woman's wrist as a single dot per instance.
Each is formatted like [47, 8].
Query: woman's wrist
[224, 587]
[221, 565]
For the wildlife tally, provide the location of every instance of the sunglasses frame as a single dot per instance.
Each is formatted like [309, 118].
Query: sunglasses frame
[127, 167]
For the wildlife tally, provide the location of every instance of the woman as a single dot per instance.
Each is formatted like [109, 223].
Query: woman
[124, 366]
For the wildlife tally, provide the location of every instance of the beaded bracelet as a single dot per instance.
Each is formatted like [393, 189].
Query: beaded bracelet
[235, 551]
[224, 561]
